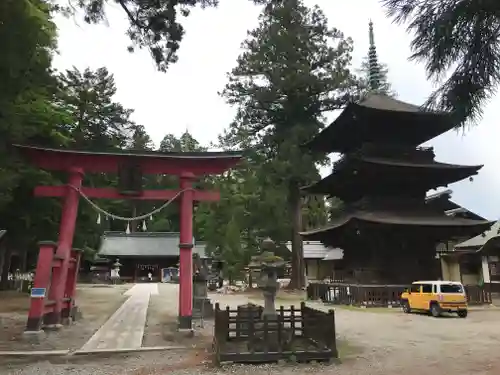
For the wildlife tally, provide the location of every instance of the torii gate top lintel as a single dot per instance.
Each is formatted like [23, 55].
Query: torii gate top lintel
[150, 162]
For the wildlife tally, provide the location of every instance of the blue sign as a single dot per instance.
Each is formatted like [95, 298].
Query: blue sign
[38, 292]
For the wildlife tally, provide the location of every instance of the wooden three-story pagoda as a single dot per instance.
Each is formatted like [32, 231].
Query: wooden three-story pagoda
[387, 230]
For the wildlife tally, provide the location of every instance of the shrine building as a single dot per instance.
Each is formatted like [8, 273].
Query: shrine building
[141, 253]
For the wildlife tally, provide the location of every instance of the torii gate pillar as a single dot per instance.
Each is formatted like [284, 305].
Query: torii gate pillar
[186, 253]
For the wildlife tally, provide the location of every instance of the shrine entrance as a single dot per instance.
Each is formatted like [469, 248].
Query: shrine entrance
[53, 294]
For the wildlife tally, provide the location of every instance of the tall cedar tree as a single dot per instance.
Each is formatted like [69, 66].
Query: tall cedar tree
[461, 36]
[154, 24]
[293, 69]
[101, 123]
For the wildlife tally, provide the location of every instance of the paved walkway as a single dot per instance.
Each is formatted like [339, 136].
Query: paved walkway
[125, 328]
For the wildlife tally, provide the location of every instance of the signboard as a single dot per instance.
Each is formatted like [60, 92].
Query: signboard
[38, 292]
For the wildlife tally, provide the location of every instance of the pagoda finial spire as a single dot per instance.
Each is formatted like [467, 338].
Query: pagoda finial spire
[373, 65]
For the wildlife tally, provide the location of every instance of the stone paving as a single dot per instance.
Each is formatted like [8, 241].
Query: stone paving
[125, 328]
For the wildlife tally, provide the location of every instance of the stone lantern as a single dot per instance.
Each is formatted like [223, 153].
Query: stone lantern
[269, 264]
[202, 307]
[115, 271]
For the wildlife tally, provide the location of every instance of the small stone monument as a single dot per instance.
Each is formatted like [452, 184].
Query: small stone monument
[202, 307]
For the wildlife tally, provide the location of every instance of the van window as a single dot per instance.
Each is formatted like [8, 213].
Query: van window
[434, 288]
[415, 288]
[426, 288]
[451, 288]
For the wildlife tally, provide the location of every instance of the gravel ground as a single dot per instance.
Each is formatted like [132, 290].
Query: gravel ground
[379, 343]
[161, 324]
[95, 303]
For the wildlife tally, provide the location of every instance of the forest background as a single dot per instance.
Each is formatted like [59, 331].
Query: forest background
[293, 70]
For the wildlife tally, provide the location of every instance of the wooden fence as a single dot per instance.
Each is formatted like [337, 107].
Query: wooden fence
[244, 335]
[379, 295]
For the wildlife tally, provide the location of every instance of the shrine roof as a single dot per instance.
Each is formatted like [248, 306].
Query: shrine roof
[482, 239]
[380, 119]
[153, 162]
[406, 218]
[143, 244]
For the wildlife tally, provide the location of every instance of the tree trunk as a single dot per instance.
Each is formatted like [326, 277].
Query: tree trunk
[297, 277]
[4, 281]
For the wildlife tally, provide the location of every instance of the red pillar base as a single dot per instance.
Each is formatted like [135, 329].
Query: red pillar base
[43, 312]
[40, 305]
[185, 322]
[185, 317]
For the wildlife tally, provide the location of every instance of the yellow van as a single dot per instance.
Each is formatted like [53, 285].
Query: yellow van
[435, 297]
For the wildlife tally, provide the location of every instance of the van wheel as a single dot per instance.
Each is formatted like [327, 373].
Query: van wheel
[406, 307]
[435, 310]
[462, 313]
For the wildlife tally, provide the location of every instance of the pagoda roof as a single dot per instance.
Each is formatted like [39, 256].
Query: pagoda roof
[151, 162]
[380, 119]
[143, 245]
[394, 218]
[353, 176]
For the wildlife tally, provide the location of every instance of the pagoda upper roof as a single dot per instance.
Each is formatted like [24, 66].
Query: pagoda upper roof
[352, 219]
[354, 176]
[151, 162]
[380, 119]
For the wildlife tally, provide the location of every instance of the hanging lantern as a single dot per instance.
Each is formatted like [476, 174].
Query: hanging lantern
[144, 227]
[150, 217]
[128, 228]
[98, 218]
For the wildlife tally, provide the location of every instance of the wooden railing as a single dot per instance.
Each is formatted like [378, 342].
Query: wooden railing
[245, 335]
[379, 295]
[478, 295]
[356, 294]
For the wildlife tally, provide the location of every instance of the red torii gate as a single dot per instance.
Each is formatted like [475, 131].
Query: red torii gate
[58, 263]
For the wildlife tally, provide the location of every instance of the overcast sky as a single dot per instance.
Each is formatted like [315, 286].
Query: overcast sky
[186, 97]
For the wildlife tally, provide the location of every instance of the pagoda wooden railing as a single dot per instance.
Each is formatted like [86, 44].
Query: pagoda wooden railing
[377, 295]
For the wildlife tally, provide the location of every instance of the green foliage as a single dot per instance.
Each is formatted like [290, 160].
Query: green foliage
[460, 36]
[186, 143]
[29, 113]
[154, 24]
[100, 123]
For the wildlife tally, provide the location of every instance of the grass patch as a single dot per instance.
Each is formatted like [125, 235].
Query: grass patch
[11, 302]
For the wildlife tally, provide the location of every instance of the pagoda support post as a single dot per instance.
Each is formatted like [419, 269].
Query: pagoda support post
[185, 251]
[64, 246]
